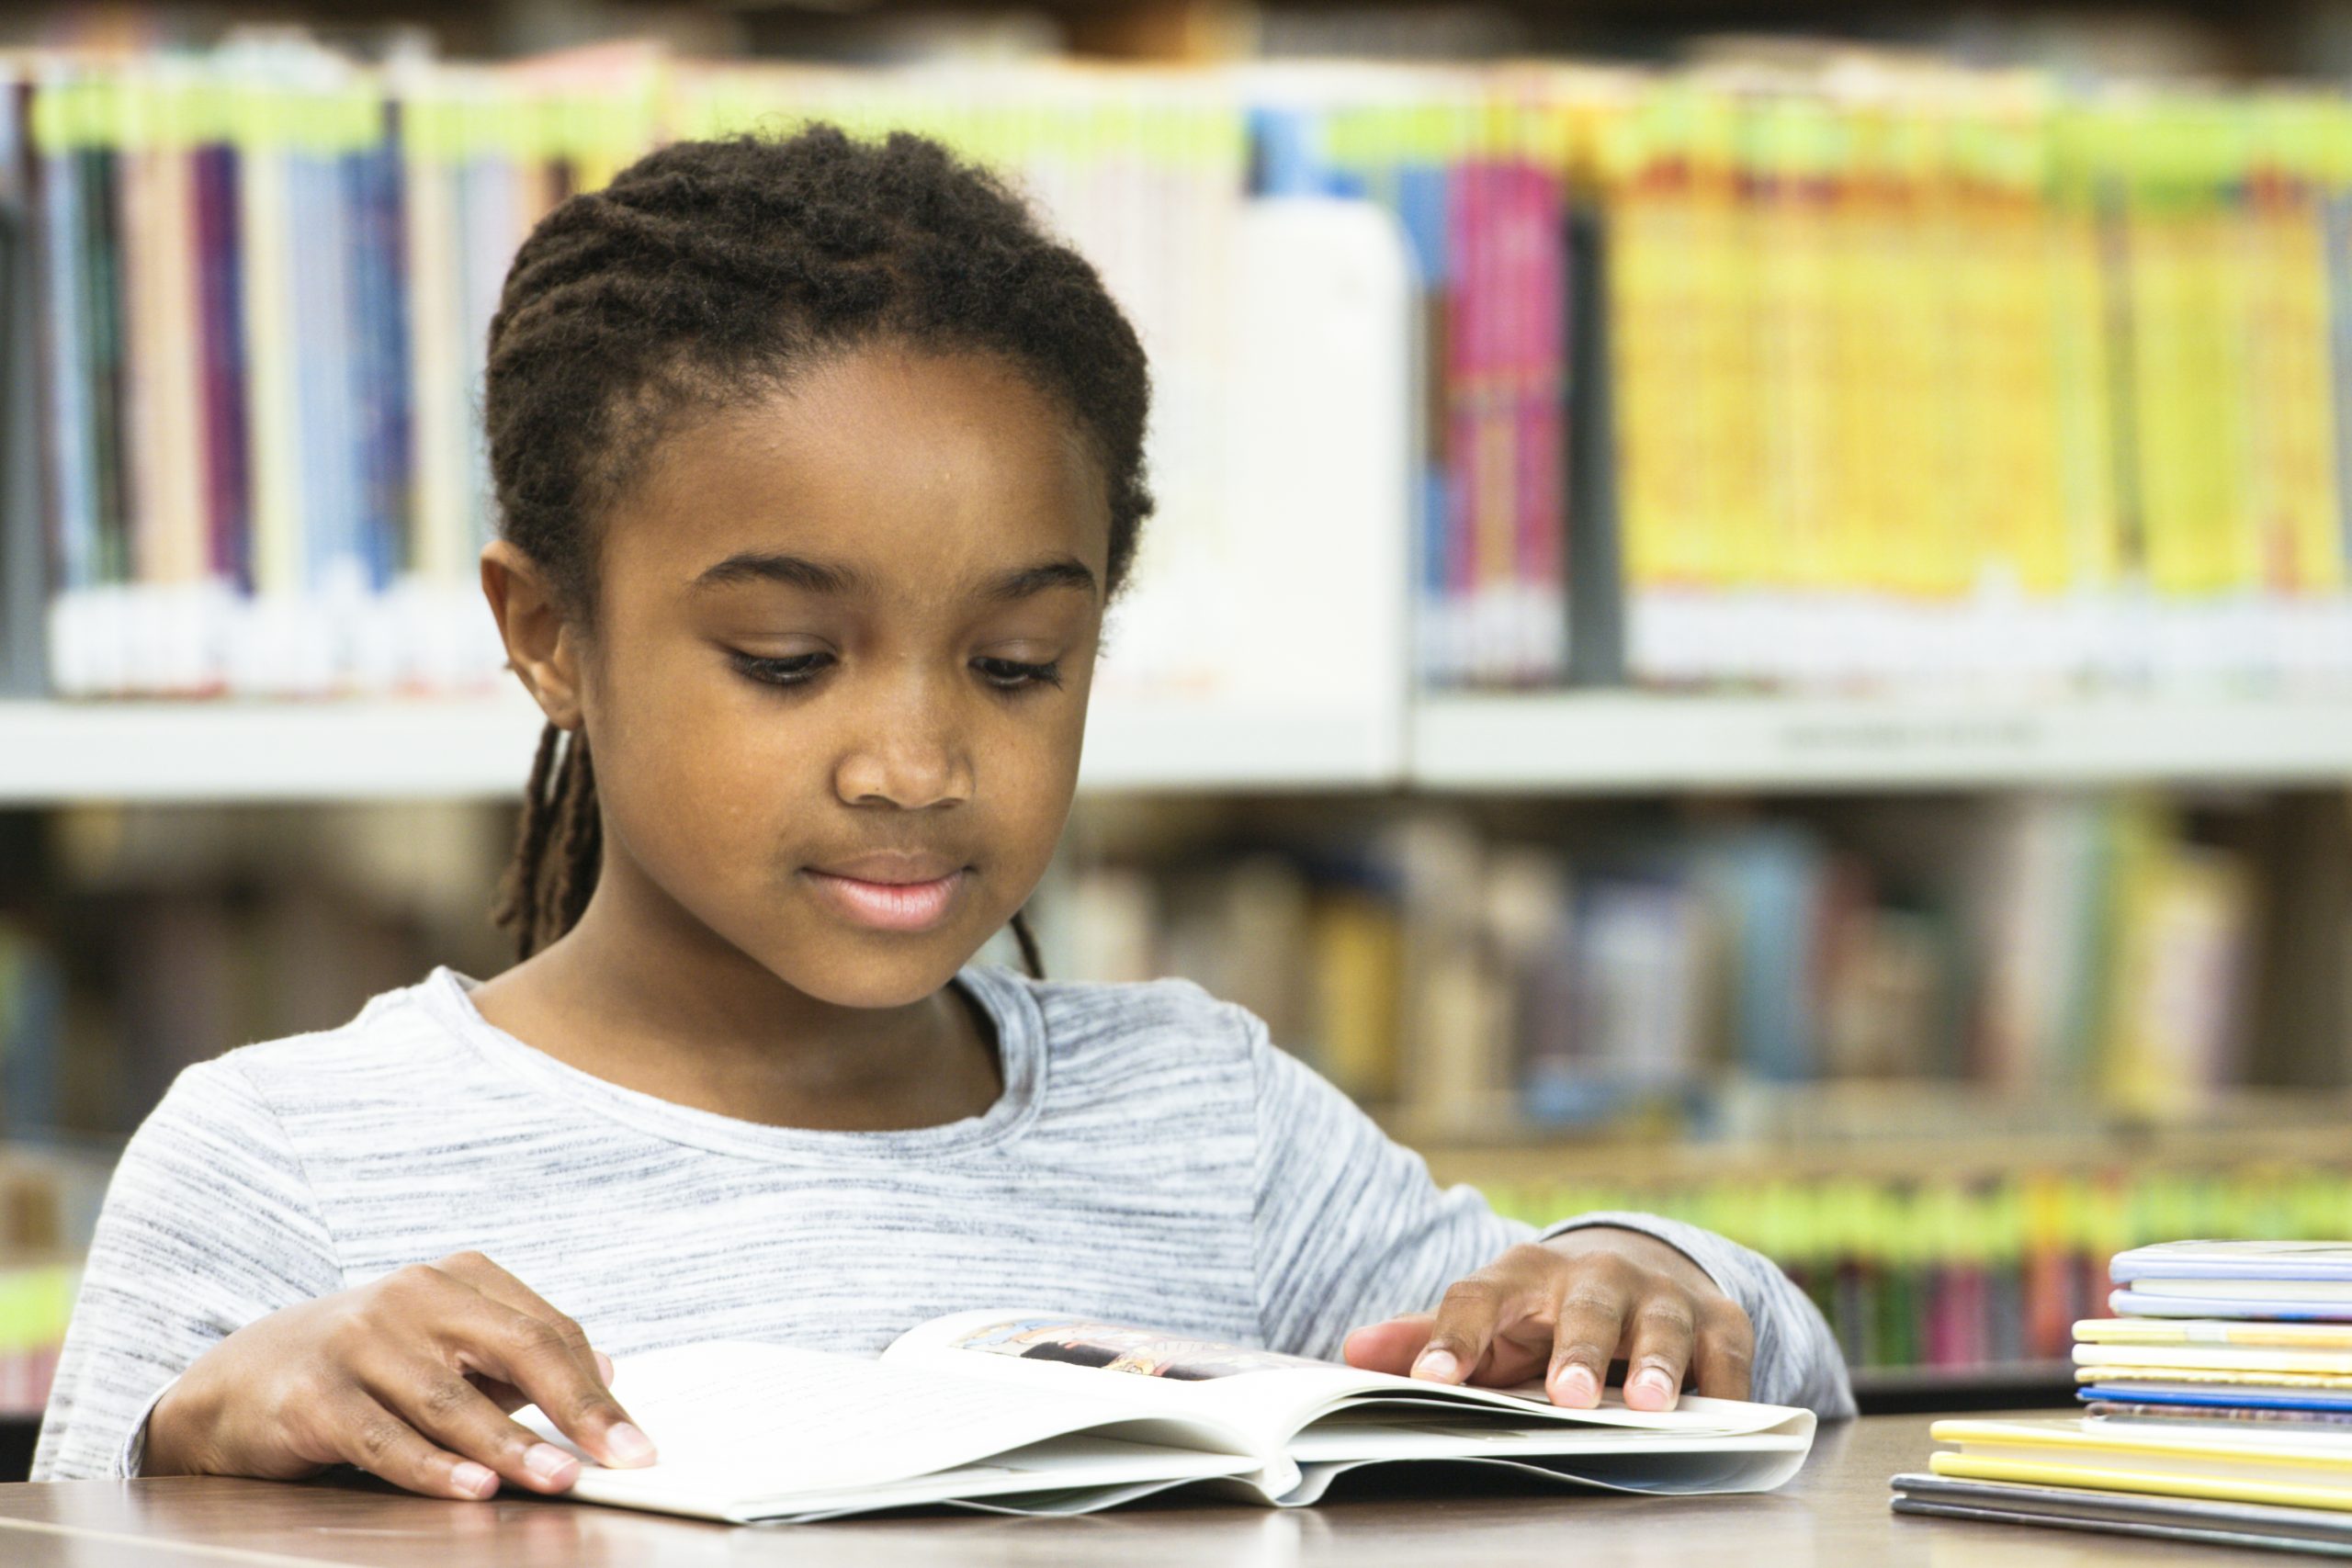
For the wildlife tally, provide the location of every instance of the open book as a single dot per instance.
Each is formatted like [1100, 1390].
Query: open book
[1035, 1412]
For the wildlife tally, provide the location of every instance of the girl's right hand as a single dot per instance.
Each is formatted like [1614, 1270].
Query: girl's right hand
[411, 1377]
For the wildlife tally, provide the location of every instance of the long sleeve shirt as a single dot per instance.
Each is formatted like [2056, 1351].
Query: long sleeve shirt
[1153, 1158]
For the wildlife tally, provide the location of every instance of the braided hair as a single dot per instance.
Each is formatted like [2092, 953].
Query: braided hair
[703, 279]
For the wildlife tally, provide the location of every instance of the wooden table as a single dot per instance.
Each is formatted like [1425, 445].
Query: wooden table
[1832, 1512]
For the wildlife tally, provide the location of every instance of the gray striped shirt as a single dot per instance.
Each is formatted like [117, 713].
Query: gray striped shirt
[1153, 1159]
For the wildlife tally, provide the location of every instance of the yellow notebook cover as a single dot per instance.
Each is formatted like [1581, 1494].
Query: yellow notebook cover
[2216, 1358]
[2143, 1372]
[1971, 1468]
[2071, 1438]
[2212, 1331]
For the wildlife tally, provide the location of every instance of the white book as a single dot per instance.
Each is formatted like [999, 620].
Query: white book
[1037, 1412]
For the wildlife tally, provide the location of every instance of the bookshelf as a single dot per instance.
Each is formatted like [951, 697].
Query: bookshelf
[1552, 744]
[1308, 548]
[1598, 742]
[479, 748]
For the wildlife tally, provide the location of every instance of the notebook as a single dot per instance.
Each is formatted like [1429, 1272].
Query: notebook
[2289, 1469]
[2300, 1280]
[2171, 1519]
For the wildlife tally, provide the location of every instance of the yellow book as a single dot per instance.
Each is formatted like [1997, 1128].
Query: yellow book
[2218, 1359]
[2210, 1331]
[2284, 1494]
[2295, 1469]
[2136, 1373]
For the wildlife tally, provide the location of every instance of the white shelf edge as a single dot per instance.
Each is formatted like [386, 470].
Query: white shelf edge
[1600, 743]
[479, 748]
[1561, 744]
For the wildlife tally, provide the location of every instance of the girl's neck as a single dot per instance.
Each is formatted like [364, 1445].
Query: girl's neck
[665, 1007]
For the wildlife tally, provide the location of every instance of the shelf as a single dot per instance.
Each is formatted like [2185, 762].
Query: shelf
[1597, 743]
[223, 751]
[1899, 1129]
[1563, 744]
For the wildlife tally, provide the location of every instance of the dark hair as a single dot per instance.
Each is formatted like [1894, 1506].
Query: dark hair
[705, 275]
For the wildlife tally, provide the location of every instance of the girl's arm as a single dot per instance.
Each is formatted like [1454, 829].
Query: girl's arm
[208, 1224]
[214, 1334]
[1351, 1230]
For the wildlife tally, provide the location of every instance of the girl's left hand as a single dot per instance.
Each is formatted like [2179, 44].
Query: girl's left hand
[1566, 1308]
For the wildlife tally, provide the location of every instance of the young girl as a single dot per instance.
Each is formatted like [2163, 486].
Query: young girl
[818, 463]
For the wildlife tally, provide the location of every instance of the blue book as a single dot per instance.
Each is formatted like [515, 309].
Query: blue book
[2215, 1396]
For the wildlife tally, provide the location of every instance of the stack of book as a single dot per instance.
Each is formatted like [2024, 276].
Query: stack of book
[2219, 1409]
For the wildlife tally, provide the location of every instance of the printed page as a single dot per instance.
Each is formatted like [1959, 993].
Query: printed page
[735, 1420]
[1270, 1397]
[1263, 1395]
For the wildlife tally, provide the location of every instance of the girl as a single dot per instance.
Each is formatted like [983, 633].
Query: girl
[816, 463]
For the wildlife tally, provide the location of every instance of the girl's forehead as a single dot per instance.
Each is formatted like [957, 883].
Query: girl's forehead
[905, 464]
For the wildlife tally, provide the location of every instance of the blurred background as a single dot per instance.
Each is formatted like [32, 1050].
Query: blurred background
[1748, 615]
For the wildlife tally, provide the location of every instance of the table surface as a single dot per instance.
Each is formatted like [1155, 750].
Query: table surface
[1833, 1512]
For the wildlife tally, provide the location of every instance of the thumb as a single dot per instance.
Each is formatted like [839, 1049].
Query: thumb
[1388, 1347]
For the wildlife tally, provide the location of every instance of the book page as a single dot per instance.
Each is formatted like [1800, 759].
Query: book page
[1263, 1394]
[735, 1419]
[1268, 1396]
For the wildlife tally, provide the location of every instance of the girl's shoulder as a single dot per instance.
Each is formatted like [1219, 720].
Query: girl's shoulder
[397, 1034]
[1128, 1020]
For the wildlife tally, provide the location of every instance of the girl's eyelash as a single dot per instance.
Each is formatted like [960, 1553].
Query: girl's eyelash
[796, 670]
[1012, 675]
[1004, 675]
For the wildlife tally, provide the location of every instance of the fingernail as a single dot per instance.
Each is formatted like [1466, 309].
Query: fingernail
[604, 1365]
[1656, 1384]
[1580, 1386]
[627, 1444]
[1439, 1365]
[473, 1480]
[547, 1462]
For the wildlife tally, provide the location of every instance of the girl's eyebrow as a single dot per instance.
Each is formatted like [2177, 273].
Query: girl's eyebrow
[1068, 571]
[822, 576]
[794, 571]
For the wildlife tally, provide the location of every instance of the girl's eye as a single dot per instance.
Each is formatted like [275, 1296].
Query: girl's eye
[796, 670]
[1012, 675]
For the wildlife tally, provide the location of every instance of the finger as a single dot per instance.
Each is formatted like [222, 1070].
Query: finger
[1586, 1328]
[367, 1435]
[447, 1407]
[509, 1398]
[1723, 1361]
[1473, 1309]
[503, 1394]
[1388, 1347]
[1659, 1340]
[533, 1355]
[499, 1285]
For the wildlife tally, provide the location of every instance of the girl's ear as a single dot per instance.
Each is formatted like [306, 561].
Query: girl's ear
[542, 648]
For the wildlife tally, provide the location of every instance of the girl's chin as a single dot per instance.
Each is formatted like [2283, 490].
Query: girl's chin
[856, 969]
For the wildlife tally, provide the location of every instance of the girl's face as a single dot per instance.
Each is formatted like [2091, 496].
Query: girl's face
[838, 680]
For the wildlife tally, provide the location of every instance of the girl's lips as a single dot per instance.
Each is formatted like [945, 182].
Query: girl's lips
[889, 906]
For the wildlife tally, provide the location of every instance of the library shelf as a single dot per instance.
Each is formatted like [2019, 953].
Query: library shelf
[231, 751]
[1992, 1385]
[1601, 742]
[1560, 744]
[1900, 1130]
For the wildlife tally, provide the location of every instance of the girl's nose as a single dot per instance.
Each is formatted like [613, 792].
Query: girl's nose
[909, 756]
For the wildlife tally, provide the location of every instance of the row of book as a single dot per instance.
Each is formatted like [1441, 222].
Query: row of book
[2046, 962]
[259, 283]
[1885, 375]
[1930, 376]
[2216, 1409]
[2089, 946]
[1951, 1273]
